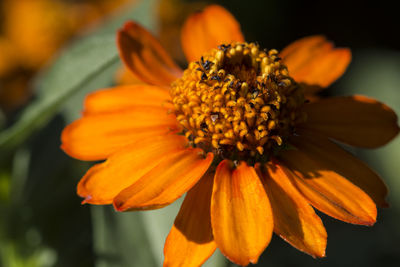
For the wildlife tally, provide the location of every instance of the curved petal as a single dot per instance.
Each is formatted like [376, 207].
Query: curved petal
[342, 162]
[294, 219]
[355, 120]
[166, 182]
[106, 180]
[190, 241]
[144, 56]
[241, 214]
[97, 136]
[314, 60]
[128, 96]
[206, 30]
[328, 191]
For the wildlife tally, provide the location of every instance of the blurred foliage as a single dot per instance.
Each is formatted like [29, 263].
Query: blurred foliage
[42, 222]
[31, 33]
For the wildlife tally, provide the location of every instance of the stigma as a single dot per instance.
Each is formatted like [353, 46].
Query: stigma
[239, 102]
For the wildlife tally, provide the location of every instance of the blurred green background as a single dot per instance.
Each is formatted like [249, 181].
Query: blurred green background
[42, 222]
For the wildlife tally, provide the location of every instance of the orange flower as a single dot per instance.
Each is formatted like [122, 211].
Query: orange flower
[31, 32]
[234, 131]
[48, 24]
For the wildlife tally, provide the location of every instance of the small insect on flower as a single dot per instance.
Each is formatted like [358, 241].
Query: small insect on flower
[240, 132]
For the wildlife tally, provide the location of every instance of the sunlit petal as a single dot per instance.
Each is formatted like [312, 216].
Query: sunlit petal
[206, 30]
[145, 57]
[314, 60]
[328, 190]
[241, 214]
[105, 180]
[166, 182]
[190, 241]
[294, 219]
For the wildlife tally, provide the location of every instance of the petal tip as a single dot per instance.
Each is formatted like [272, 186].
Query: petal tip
[64, 137]
[397, 130]
[86, 200]
[119, 206]
[254, 260]
[130, 24]
[64, 148]
[320, 255]
[371, 222]
[317, 254]
[367, 221]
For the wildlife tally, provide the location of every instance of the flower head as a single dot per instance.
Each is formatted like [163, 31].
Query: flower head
[241, 132]
[238, 102]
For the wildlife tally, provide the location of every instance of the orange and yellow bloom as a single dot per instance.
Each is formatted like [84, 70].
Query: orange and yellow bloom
[241, 132]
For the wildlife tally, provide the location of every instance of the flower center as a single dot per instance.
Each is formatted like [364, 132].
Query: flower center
[239, 102]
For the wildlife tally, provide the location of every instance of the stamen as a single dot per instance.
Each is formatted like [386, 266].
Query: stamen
[238, 101]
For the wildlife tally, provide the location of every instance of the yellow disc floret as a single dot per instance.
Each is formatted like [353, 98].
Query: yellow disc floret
[238, 101]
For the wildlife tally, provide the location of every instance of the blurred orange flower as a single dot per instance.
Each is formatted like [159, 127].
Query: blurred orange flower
[236, 132]
[33, 31]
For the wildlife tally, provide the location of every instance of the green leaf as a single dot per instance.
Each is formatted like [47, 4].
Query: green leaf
[75, 68]
[157, 226]
[120, 239]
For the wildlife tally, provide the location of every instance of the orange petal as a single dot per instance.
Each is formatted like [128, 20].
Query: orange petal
[144, 56]
[328, 190]
[206, 30]
[313, 60]
[190, 242]
[333, 157]
[104, 181]
[123, 97]
[97, 136]
[241, 214]
[166, 182]
[354, 120]
[294, 219]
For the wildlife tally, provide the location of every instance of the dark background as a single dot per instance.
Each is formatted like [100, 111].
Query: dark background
[49, 215]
